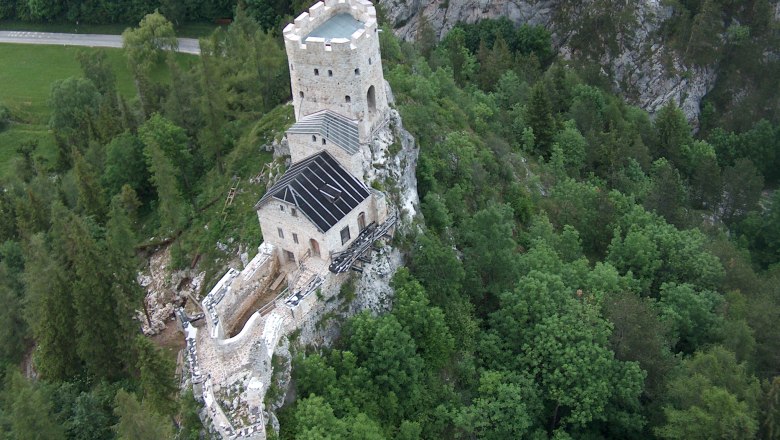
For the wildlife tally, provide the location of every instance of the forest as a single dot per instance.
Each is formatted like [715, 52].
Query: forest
[582, 269]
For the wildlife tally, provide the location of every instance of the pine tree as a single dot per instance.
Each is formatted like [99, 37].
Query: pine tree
[91, 200]
[540, 118]
[99, 330]
[138, 421]
[158, 387]
[30, 413]
[173, 209]
[49, 309]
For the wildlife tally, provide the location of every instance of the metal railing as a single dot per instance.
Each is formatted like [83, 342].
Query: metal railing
[271, 305]
[343, 261]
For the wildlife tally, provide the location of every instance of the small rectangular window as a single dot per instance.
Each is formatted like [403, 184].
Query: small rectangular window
[323, 141]
[330, 73]
[281, 207]
[357, 71]
[280, 232]
[345, 235]
[294, 212]
[295, 238]
[316, 72]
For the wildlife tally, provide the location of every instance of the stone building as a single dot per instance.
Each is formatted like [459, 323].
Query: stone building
[321, 205]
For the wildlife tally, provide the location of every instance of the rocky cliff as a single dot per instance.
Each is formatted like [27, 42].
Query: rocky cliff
[638, 62]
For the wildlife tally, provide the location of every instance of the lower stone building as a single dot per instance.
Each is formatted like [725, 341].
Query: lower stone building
[317, 209]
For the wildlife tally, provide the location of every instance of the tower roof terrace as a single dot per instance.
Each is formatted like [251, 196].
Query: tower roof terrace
[339, 26]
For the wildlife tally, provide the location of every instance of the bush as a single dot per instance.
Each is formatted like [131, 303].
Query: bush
[5, 117]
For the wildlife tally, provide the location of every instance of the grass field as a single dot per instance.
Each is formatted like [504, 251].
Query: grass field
[26, 76]
[187, 30]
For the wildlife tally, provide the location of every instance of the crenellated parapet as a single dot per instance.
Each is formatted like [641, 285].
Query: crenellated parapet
[362, 11]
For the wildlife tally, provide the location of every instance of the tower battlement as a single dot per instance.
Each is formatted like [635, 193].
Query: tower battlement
[335, 63]
[316, 30]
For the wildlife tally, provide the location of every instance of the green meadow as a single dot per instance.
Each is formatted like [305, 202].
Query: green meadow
[26, 75]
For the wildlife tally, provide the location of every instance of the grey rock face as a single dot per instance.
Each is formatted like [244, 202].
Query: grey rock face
[644, 70]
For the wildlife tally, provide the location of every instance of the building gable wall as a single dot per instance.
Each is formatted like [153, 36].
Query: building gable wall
[272, 218]
[305, 145]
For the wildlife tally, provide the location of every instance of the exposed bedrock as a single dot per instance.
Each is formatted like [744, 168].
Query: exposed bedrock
[642, 69]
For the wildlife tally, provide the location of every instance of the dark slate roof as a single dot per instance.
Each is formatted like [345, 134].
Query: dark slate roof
[332, 126]
[338, 26]
[320, 188]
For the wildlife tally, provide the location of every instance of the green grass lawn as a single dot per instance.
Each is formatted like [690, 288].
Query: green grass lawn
[187, 30]
[25, 81]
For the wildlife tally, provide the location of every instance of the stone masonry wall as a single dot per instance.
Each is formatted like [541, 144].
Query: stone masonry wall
[255, 277]
[271, 218]
[302, 146]
[323, 74]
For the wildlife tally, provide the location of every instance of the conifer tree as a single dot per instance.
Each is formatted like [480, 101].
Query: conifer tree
[540, 118]
[158, 388]
[29, 411]
[99, 330]
[138, 421]
[49, 309]
[91, 200]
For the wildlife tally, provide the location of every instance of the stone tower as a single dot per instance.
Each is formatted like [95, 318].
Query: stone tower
[335, 65]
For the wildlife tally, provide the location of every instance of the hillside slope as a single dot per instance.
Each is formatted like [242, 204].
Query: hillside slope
[644, 49]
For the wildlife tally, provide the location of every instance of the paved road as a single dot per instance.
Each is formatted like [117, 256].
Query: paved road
[186, 45]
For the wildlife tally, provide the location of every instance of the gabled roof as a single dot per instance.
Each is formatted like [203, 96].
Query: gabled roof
[332, 126]
[320, 188]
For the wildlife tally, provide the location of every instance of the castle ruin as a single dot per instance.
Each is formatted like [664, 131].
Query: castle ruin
[319, 220]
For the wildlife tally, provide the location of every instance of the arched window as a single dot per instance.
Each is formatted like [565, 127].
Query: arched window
[371, 98]
[316, 72]
[357, 72]
[313, 138]
[323, 141]
[347, 99]
[300, 94]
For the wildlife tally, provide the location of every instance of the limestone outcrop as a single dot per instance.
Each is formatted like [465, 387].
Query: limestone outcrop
[643, 69]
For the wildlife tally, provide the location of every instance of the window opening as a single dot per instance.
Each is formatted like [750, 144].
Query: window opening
[347, 99]
[345, 235]
[316, 72]
[361, 221]
[295, 238]
[280, 232]
[330, 73]
[371, 98]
